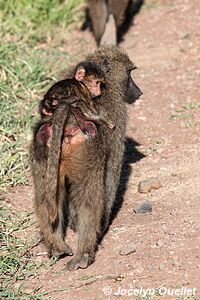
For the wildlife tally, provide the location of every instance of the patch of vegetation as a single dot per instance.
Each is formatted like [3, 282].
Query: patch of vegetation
[30, 57]
[31, 21]
[16, 263]
[185, 113]
[28, 62]
[151, 4]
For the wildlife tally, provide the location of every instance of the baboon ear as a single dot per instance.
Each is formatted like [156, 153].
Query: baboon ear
[105, 65]
[80, 73]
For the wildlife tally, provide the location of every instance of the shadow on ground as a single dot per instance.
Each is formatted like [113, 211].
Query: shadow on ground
[131, 156]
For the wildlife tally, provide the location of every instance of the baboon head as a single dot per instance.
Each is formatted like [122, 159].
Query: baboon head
[118, 68]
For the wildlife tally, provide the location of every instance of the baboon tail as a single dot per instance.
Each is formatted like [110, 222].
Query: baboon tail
[59, 120]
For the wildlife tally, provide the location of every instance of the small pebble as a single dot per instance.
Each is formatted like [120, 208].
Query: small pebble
[176, 262]
[143, 208]
[126, 250]
[159, 244]
[146, 186]
[161, 267]
[138, 271]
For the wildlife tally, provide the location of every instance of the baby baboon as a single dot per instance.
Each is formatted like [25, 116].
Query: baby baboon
[88, 80]
[89, 168]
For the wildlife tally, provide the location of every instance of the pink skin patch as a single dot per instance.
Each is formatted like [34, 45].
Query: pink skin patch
[89, 129]
[71, 131]
[86, 126]
[77, 136]
[44, 133]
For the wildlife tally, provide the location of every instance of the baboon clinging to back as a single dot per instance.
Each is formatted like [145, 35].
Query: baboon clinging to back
[87, 79]
[90, 169]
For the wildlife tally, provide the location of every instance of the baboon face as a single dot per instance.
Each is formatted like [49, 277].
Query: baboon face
[91, 75]
[94, 85]
[121, 72]
[132, 92]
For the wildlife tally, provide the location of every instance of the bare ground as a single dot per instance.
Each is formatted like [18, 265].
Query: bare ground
[164, 43]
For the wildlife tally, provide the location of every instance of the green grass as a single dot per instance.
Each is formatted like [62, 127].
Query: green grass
[31, 33]
[30, 21]
[16, 264]
[22, 80]
[185, 113]
[25, 69]
[151, 4]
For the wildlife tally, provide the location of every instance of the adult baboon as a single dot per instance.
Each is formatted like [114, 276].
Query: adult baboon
[112, 18]
[89, 169]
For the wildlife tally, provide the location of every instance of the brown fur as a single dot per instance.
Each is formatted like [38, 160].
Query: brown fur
[54, 240]
[122, 12]
[82, 81]
[89, 169]
[71, 96]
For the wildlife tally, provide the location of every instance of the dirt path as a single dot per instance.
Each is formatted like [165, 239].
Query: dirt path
[165, 45]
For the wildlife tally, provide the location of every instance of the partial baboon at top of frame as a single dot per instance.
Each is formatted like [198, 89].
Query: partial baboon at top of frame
[109, 20]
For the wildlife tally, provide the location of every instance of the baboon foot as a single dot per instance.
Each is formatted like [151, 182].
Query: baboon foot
[59, 252]
[81, 262]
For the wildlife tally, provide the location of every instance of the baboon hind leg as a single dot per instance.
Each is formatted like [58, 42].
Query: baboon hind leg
[98, 14]
[54, 234]
[112, 184]
[89, 214]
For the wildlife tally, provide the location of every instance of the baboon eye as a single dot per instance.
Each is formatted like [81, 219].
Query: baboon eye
[102, 85]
